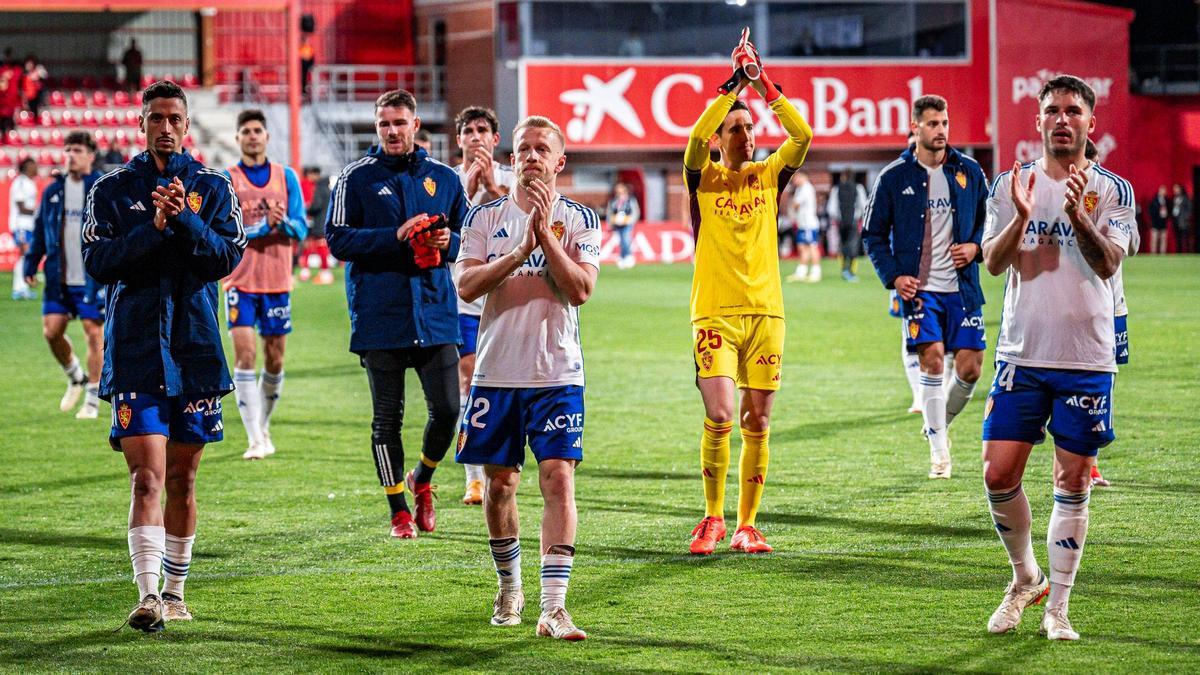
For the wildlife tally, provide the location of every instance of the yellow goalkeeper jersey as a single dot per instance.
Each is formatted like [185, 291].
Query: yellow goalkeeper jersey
[735, 219]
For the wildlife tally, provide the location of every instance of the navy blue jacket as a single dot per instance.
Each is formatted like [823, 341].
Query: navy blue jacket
[393, 303]
[161, 335]
[894, 227]
[48, 227]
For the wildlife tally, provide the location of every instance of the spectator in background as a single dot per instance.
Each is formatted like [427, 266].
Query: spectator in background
[847, 203]
[803, 209]
[307, 59]
[1160, 214]
[623, 214]
[10, 91]
[132, 60]
[1181, 217]
[34, 85]
[317, 188]
[22, 197]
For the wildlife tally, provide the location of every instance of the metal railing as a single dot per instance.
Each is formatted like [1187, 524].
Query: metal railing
[364, 83]
[252, 84]
[1167, 69]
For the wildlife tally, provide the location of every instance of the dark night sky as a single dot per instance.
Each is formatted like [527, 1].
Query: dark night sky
[1161, 21]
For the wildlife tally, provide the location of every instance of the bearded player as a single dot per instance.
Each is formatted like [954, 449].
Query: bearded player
[737, 300]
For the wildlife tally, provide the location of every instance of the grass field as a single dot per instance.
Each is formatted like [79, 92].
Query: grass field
[876, 567]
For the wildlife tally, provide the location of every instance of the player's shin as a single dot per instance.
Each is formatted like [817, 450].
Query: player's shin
[1064, 543]
[958, 394]
[557, 564]
[249, 403]
[270, 386]
[1012, 519]
[752, 473]
[714, 465]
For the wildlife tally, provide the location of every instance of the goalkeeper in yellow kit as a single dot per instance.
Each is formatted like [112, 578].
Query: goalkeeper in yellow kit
[737, 300]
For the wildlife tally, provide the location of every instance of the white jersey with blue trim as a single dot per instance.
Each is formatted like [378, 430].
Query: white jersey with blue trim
[505, 177]
[1058, 313]
[1118, 279]
[529, 333]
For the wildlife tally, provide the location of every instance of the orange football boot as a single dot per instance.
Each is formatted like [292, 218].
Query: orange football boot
[748, 539]
[706, 535]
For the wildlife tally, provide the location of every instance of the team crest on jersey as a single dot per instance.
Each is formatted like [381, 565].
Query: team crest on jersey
[194, 201]
[124, 415]
[706, 360]
[752, 181]
[914, 328]
[462, 440]
[558, 229]
[430, 186]
[961, 179]
[233, 313]
[1089, 202]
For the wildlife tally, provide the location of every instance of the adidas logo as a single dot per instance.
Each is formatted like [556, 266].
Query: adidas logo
[908, 191]
[500, 234]
[220, 426]
[137, 206]
[1068, 543]
[385, 190]
[757, 479]
[578, 443]
[1099, 426]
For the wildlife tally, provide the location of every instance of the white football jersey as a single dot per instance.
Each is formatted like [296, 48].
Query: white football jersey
[503, 175]
[1118, 279]
[529, 333]
[804, 207]
[1057, 312]
[22, 192]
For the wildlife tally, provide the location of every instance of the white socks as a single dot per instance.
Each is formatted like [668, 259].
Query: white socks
[146, 547]
[1064, 543]
[556, 574]
[506, 553]
[474, 472]
[933, 409]
[912, 370]
[269, 388]
[958, 394]
[1011, 516]
[92, 399]
[249, 402]
[175, 564]
[74, 371]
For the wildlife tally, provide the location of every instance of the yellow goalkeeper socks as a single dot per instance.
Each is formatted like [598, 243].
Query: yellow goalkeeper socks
[752, 473]
[714, 462]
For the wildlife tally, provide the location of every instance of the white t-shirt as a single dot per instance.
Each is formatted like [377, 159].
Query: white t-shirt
[22, 192]
[72, 238]
[937, 271]
[503, 176]
[529, 333]
[804, 207]
[1057, 312]
[1118, 281]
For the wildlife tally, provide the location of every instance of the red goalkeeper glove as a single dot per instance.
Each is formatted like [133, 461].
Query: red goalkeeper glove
[424, 255]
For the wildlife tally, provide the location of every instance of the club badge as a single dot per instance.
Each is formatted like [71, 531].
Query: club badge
[752, 182]
[462, 440]
[1089, 201]
[233, 313]
[914, 328]
[194, 201]
[706, 360]
[430, 186]
[124, 415]
[558, 229]
[961, 179]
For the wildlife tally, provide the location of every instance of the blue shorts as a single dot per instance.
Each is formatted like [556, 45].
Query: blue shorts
[499, 421]
[1121, 328]
[271, 312]
[805, 237]
[75, 303]
[894, 305]
[193, 418]
[22, 237]
[1078, 404]
[939, 317]
[469, 327]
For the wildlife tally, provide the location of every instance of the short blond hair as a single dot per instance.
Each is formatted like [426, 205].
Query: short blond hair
[540, 122]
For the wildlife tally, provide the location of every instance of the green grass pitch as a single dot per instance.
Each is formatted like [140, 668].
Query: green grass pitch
[876, 567]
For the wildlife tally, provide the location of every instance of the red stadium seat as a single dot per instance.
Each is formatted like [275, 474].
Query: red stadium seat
[121, 139]
[131, 118]
[13, 138]
[137, 98]
[78, 99]
[22, 155]
[101, 140]
[110, 119]
[89, 119]
[25, 119]
[99, 99]
[121, 99]
[169, 77]
[35, 138]
[147, 80]
[197, 155]
[190, 81]
[69, 119]
[189, 142]
[140, 139]
[6, 161]
[56, 138]
[48, 158]
[46, 119]
[58, 99]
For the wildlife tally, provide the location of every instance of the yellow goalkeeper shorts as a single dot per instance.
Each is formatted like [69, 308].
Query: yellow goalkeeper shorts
[747, 349]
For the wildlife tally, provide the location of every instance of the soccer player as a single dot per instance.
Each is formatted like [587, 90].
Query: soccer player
[258, 293]
[70, 292]
[846, 205]
[315, 245]
[485, 180]
[22, 205]
[394, 219]
[535, 254]
[803, 206]
[923, 226]
[737, 297]
[1058, 228]
[160, 232]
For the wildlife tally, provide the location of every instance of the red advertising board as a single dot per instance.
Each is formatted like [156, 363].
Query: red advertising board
[652, 242]
[1039, 39]
[618, 104]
